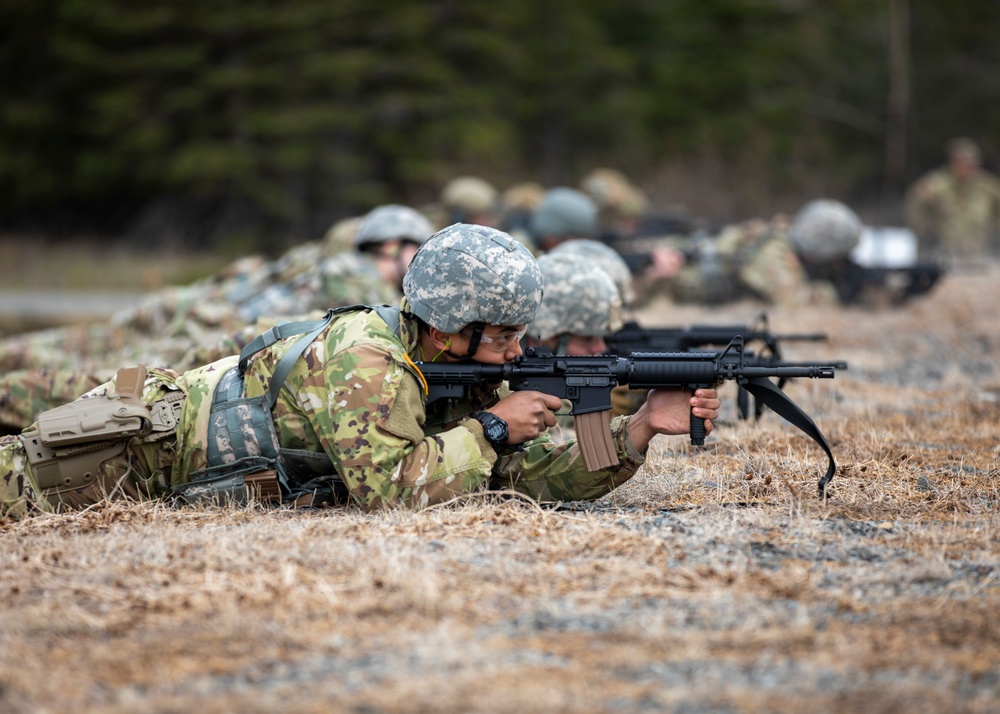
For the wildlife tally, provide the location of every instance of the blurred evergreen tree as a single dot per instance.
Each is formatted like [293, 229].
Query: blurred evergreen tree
[234, 121]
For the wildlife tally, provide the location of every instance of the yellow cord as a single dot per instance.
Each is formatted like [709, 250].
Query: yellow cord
[427, 389]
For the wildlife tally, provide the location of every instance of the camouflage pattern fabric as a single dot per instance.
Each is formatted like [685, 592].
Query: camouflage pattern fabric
[393, 222]
[140, 471]
[959, 219]
[608, 258]
[467, 273]
[751, 260]
[356, 396]
[162, 328]
[580, 299]
[25, 393]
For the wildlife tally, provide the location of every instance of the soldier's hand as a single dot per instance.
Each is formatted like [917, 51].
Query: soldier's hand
[665, 263]
[668, 411]
[671, 409]
[527, 414]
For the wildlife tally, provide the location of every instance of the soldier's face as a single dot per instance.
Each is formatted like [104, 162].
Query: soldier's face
[582, 345]
[499, 344]
[963, 165]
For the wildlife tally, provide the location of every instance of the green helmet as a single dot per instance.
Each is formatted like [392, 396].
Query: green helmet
[393, 222]
[565, 213]
[608, 258]
[824, 230]
[580, 298]
[466, 274]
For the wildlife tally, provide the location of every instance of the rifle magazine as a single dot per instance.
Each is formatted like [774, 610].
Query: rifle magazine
[593, 435]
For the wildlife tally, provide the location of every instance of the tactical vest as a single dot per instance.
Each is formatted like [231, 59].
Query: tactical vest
[244, 459]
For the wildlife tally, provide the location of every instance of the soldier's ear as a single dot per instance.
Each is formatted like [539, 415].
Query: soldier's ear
[441, 339]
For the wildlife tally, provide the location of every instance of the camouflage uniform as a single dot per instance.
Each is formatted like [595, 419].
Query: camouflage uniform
[24, 394]
[163, 326]
[355, 396]
[956, 217]
[751, 260]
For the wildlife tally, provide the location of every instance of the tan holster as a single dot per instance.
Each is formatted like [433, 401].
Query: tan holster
[70, 442]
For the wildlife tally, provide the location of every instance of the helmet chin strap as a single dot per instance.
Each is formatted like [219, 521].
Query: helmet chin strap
[474, 339]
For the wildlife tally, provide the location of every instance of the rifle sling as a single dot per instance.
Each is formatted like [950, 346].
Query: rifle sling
[766, 392]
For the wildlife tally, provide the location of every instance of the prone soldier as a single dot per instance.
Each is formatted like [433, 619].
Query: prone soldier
[336, 409]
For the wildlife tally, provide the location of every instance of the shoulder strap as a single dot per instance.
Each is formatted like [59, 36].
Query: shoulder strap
[766, 392]
[310, 330]
[390, 315]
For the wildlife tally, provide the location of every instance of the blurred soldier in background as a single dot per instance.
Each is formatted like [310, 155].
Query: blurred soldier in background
[955, 210]
[623, 400]
[469, 199]
[608, 259]
[620, 204]
[581, 305]
[823, 234]
[43, 371]
[165, 325]
[753, 260]
[517, 204]
[386, 241]
[336, 410]
[563, 214]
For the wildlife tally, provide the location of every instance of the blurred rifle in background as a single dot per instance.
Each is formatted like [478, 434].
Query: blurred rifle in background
[633, 338]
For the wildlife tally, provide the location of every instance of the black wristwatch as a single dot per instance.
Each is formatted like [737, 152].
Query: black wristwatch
[494, 428]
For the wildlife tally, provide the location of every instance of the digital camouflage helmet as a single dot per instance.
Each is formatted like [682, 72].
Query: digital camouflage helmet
[580, 298]
[824, 230]
[469, 274]
[393, 222]
[608, 258]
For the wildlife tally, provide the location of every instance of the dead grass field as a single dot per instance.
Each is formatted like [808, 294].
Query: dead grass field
[714, 581]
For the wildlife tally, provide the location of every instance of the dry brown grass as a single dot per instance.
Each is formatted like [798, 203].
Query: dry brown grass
[713, 581]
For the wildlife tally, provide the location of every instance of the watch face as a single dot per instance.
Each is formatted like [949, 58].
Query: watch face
[494, 428]
[496, 431]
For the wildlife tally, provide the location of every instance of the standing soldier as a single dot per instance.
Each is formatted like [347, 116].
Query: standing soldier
[955, 210]
[340, 410]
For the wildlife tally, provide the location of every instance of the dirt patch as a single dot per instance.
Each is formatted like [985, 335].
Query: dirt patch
[713, 581]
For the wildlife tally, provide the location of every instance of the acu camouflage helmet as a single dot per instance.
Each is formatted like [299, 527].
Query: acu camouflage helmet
[467, 274]
[825, 230]
[565, 213]
[393, 222]
[608, 258]
[580, 298]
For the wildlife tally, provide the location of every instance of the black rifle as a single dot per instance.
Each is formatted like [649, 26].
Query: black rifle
[633, 337]
[853, 281]
[587, 383]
